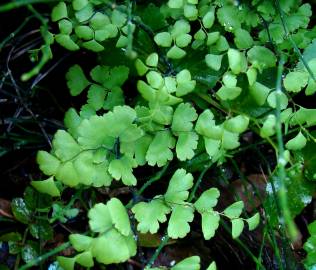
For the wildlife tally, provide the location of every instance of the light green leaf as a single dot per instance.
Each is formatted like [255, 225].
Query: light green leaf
[178, 187]
[208, 19]
[146, 91]
[141, 148]
[214, 61]
[64, 145]
[96, 96]
[123, 169]
[47, 186]
[110, 77]
[176, 53]
[48, 163]
[59, 12]
[234, 210]
[150, 214]
[93, 45]
[237, 61]
[228, 17]
[183, 117]
[67, 42]
[65, 27]
[119, 216]
[282, 99]
[85, 32]
[212, 38]
[155, 79]
[152, 60]
[259, 92]
[237, 124]
[178, 226]
[192, 263]
[243, 39]
[229, 79]
[66, 263]
[159, 151]
[141, 67]
[175, 3]
[295, 81]
[100, 219]
[268, 128]
[252, 76]
[228, 93]
[85, 13]
[113, 247]
[99, 20]
[180, 27]
[67, 174]
[186, 144]
[190, 12]
[76, 80]
[253, 221]
[207, 200]
[237, 227]
[80, 242]
[79, 4]
[163, 39]
[210, 223]
[297, 143]
[261, 57]
[183, 40]
[230, 140]
[205, 125]
[118, 18]
[311, 88]
[212, 146]
[85, 259]
[212, 266]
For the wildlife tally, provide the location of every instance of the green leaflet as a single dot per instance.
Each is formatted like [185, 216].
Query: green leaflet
[59, 12]
[261, 57]
[237, 227]
[253, 221]
[178, 187]
[76, 80]
[228, 93]
[207, 200]
[192, 263]
[150, 214]
[102, 217]
[234, 210]
[113, 247]
[159, 151]
[214, 61]
[122, 169]
[186, 144]
[212, 266]
[64, 145]
[229, 18]
[178, 226]
[47, 186]
[237, 61]
[297, 143]
[295, 81]
[210, 223]
[183, 117]
[48, 163]
[80, 242]
[237, 124]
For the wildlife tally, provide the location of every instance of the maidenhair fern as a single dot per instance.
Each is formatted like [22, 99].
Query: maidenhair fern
[180, 111]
